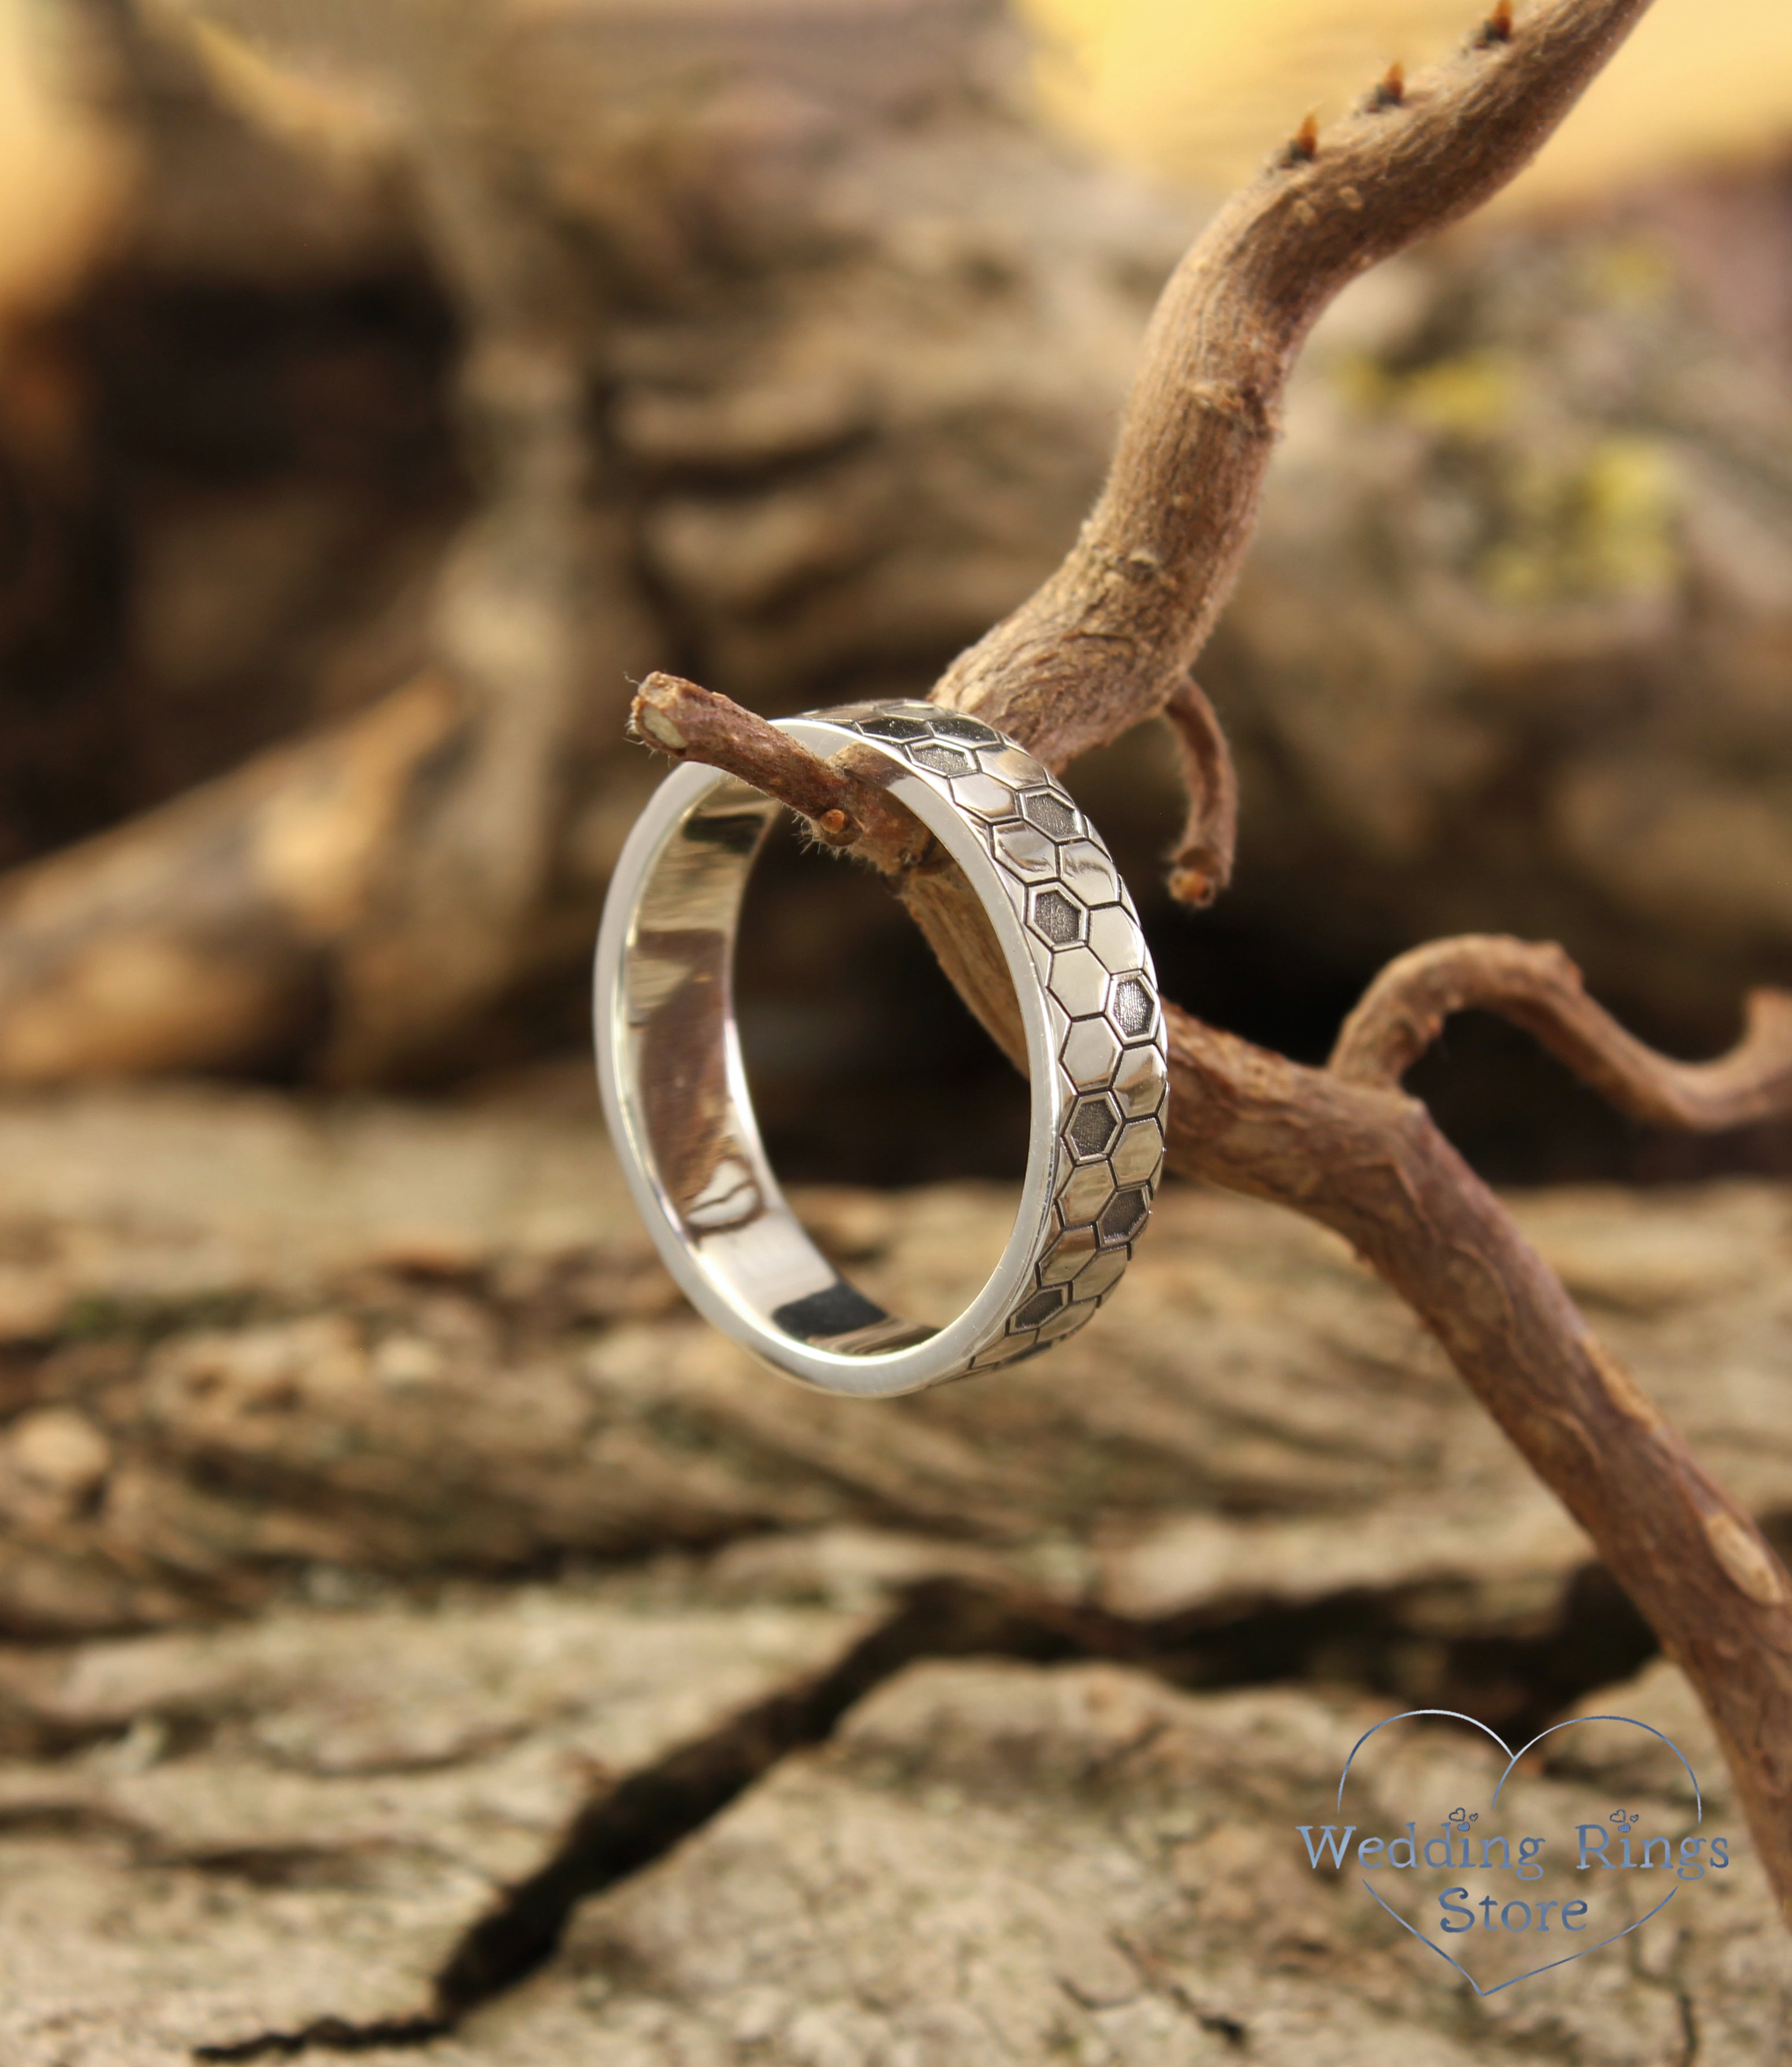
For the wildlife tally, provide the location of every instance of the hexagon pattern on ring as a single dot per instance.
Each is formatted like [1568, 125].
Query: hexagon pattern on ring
[1082, 933]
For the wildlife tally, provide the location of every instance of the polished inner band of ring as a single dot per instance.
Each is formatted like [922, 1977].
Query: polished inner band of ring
[675, 1089]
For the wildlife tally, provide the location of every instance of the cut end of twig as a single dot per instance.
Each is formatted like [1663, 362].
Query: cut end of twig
[1497, 27]
[1392, 91]
[651, 717]
[677, 717]
[656, 729]
[1304, 146]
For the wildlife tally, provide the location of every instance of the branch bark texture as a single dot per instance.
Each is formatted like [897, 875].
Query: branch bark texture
[1106, 641]
[1537, 987]
[1110, 639]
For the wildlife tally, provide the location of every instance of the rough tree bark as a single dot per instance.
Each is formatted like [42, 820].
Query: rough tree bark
[1106, 641]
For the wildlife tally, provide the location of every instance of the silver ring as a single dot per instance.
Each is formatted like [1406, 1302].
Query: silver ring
[676, 1096]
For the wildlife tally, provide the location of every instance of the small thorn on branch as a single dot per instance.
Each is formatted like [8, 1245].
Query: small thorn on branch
[1303, 146]
[677, 717]
[1496, 28]
[1392, 91]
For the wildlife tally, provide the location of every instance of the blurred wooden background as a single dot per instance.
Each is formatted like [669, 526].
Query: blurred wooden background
[431, 369]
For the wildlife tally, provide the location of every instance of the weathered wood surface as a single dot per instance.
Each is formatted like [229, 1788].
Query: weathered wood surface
[374, 1514]
[261, 1829]
[244, 1334]
[994, 1861]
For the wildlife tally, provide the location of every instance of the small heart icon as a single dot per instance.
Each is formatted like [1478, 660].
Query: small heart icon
[1613, 1843]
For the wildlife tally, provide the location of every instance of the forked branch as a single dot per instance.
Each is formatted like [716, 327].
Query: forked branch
[1111, 638]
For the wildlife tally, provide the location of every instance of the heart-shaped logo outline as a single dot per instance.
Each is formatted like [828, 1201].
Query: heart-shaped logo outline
[1512, 1758]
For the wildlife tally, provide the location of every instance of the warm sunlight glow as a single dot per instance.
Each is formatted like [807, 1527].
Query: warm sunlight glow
[1206, 88]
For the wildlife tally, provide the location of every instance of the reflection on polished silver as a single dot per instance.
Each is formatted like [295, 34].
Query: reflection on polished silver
[675, 1092]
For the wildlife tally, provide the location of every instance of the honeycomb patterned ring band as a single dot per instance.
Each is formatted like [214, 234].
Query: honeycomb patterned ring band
[675, 1091]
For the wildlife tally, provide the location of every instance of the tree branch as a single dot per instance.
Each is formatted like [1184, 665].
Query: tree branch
[1538, 988]
[1111, 637]
[1346, 1147]
[1108, 638]
[676, 717]
[1369, 1163]
[1201, 866]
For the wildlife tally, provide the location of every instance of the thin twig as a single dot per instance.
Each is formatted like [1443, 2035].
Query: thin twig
[678, 718]
[1538, 988]
[1201, 866]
